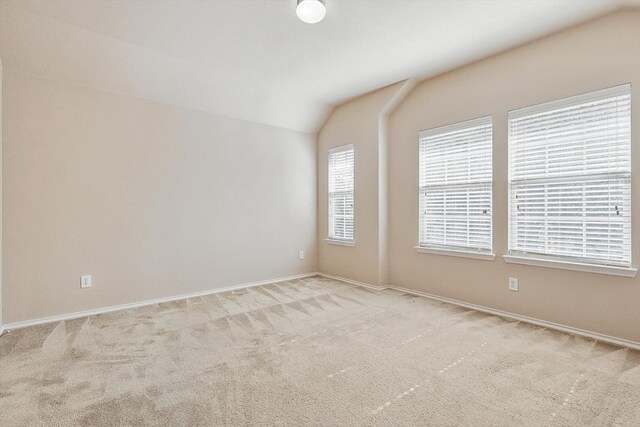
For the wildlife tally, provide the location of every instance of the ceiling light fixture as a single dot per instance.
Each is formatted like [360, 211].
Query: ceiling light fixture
[311, 11]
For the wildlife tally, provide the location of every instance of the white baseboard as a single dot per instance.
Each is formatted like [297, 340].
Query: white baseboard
[534, 321]
[354, 282]
[102, 310]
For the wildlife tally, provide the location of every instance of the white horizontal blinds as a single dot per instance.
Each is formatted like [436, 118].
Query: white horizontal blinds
[570, 178]
[455, 186]
[341, 186]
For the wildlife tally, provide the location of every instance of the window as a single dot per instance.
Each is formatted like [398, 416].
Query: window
[341, 177]
[456, 187]
[570, 179]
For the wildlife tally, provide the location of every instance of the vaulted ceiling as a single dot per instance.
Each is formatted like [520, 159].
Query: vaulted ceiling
[254, 60]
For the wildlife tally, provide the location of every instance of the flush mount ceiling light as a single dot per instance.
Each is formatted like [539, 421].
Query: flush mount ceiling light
[311, 11]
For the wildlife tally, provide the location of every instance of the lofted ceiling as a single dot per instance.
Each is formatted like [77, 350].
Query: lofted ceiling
[254, 60]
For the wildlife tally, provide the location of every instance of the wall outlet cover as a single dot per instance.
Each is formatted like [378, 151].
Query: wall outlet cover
[85, 281]
[513, 283]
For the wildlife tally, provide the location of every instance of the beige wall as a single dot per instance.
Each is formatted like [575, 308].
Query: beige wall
[150, 199]
[593, 56]
[596, 55]
[154, 200]
[355, 122]
[1, 321]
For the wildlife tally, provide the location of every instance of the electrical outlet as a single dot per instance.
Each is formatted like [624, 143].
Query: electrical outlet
[301, 255]
[85, 281]
[513, 284]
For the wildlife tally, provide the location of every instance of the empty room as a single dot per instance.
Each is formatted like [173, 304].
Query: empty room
[320, 213]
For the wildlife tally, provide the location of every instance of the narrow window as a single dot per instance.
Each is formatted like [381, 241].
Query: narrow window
[456, 187]
[341, 200]
[570, 179]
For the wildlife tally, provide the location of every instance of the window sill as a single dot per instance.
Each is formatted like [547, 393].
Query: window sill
[450, 252]
[341, 242]
[575, 266]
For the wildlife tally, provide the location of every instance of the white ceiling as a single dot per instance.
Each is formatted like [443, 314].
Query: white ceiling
[254, 60]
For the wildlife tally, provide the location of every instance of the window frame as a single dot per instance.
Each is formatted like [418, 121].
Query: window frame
[457, 251]
[333, 239]
[575, 263]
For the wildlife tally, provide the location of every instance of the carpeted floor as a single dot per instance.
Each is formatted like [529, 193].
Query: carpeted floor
[312, 352]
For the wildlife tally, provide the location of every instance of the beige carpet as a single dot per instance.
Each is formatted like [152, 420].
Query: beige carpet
[312, 352]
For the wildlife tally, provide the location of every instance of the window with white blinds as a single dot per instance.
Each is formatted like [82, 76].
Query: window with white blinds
[341, 186]
[456, 187]
[570, 179]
